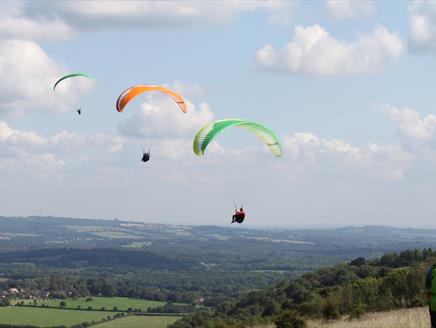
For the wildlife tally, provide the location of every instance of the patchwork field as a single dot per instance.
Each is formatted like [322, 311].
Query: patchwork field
[136, 321]
[122, 303]
[16, 315]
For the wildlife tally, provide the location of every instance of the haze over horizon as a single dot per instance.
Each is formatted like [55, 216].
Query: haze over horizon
[346, 85]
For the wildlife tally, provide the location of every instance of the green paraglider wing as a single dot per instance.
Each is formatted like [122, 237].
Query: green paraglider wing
[74, 74]
[210, 131]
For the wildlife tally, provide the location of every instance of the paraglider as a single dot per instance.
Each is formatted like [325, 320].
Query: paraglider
[210, 131]
[70, 75]
[74, 74]
[132, 92]
[145, 156]
[239, 216]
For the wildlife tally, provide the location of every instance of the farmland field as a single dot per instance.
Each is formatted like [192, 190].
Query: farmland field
[16, 315]
[136, 321]
[122, 303]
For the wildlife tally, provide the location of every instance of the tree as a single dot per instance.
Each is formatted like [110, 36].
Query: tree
[358, 262]
[290, 319]
[330, 310]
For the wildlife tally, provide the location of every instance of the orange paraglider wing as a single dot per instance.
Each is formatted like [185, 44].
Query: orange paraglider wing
[132, 92]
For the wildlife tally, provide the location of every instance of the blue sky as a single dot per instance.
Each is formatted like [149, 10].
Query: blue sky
[348, 85]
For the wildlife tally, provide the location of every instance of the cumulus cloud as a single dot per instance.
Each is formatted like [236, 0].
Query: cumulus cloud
[28, 74]
[159, 117]
[28, 149]
[422, 27]
[314, 51]
[15, 22]
[306, 152]
[34, 19]
[351, 8]
[410, 123]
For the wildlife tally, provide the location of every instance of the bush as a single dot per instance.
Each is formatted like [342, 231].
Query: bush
[358, 311]
[330, 310]
[4, 302]
[89, 299]
[63, 304]
[290, 319]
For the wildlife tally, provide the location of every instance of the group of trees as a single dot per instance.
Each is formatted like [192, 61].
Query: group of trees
[390, 282]
[175, 287]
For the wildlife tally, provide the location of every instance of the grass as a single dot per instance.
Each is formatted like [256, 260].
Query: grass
[137, 321]
[406, 318]
[137, 244]
[15, 315]
[122, 303]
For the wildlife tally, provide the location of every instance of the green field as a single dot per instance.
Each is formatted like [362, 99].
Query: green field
[122, 303]
[16, 315]
[136, 321]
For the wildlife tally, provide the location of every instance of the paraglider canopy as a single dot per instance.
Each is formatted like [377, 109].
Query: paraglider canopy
[210, 131]
[74, 74]
[132, 92]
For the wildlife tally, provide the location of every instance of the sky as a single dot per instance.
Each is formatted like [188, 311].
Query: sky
[348, 86]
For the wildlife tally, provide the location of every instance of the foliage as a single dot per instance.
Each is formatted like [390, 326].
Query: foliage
[395, 280]
[290, 319]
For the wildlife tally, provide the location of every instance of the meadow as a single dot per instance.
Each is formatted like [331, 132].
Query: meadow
[136, 321]
[405, 318]
[16, 315]
[98, 302]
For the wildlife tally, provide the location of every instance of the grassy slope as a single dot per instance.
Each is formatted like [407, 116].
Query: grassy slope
[47, 317]
[122, 303]
[407, 318]
[139, 322]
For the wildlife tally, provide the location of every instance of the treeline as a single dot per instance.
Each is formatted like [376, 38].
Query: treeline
[395, 280]
[176, 287]
[99, 258]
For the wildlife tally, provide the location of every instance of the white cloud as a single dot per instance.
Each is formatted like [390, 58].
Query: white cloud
[351, 8]
[305, 152]
[15, 22]
[160, 117]
[30, 150]
[37, 20]
[28, 74]
[314, 51]
[410, 123]
[422, 27]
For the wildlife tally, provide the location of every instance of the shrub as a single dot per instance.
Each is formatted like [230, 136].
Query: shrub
[290, 319]
[330, 310]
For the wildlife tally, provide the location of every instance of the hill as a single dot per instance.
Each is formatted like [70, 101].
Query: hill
[393, 281]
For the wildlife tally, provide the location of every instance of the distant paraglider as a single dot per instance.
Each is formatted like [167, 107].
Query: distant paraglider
[210, 131]
[70, 75]
[132, 92]
[145, 156]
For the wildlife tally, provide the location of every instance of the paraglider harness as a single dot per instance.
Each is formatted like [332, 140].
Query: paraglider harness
[145, 156]
[239, 216]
